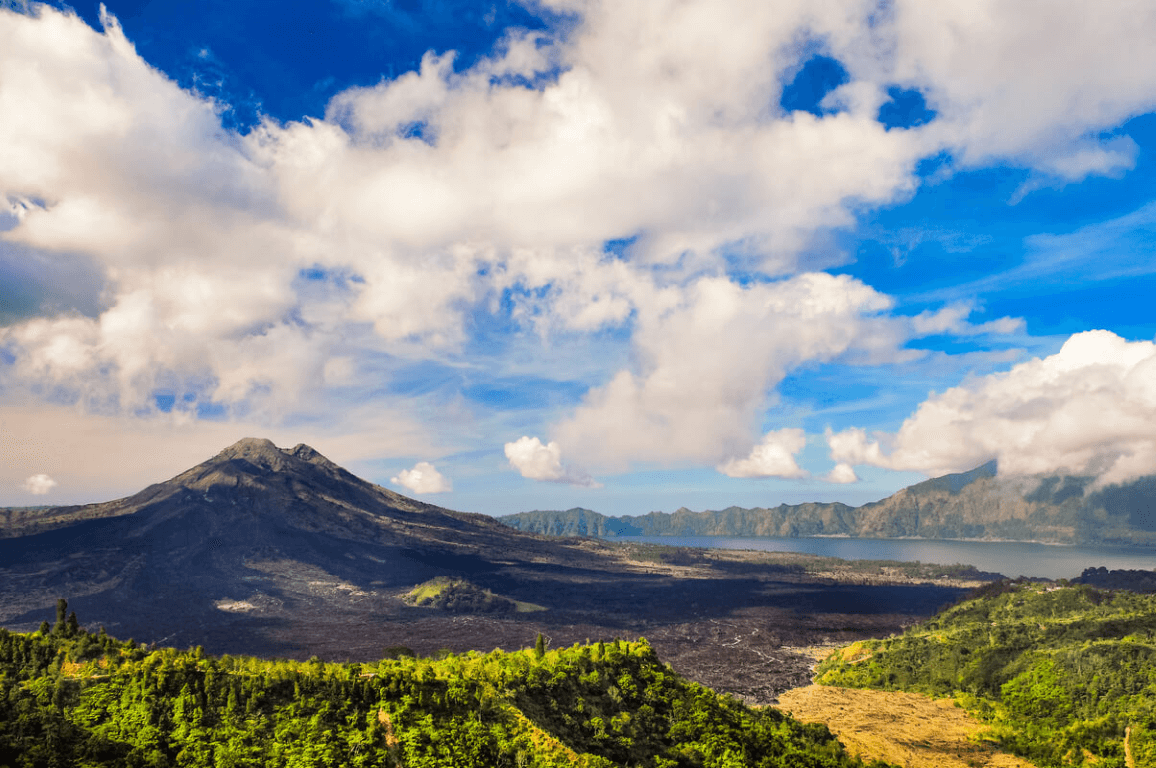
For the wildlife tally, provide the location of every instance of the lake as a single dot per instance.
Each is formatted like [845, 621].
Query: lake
[1009, 558]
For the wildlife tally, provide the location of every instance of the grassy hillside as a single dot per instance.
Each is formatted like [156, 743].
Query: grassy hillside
[1065, 674]
[461, 596]
[69, 698]
[907, 729]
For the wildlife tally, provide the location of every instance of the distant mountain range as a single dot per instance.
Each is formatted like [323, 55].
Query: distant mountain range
[970, 505]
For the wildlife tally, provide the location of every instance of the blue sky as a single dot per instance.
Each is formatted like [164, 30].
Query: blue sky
[547, 254]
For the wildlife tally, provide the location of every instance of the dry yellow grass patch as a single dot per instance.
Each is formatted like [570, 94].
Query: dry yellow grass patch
[855, 653]
[906, 729]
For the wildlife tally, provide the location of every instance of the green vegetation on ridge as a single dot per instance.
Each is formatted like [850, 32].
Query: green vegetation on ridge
[461, 596]
[1066, 675]
[969, 505]
[70, 698]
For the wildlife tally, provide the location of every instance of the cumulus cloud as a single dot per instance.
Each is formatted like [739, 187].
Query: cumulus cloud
[707, 358]
[1088, 409]
[423, 478]
[1034, 82]
[544, 462]
[773, 457]
[842, 473]
[38, 485]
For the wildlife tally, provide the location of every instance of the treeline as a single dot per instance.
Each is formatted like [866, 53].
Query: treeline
[1065, 674]
[810, 519]
[73, 698]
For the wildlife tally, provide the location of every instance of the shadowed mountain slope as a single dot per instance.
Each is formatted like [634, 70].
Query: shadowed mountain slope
[253, 488]
[252, 534]
[978, 504]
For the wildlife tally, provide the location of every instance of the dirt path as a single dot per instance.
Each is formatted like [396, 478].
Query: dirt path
[906, 729]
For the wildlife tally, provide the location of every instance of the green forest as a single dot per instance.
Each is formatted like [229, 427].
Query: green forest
[73, 698]
[1065, 674]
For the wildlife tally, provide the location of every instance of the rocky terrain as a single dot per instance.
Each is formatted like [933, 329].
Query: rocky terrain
[979, 504]
[280, 552]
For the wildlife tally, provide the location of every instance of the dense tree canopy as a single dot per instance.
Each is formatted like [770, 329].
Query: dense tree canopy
[82, 699]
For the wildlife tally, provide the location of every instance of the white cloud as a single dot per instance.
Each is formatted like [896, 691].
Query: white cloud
[1034, 82]
[38, 485]
[707, 360]
[661, 126]
[1088, 409]
[952, 319]
[544, 462]
[413, 97]
[668, 137]
[842, 473]
[423, 478]
[773, 457]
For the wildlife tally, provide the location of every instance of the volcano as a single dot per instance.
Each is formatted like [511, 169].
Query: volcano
[253, 539]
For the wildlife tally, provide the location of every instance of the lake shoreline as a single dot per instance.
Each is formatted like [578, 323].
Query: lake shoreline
[1011, 558]
[848, 537]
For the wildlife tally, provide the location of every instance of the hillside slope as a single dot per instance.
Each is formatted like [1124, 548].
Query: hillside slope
[1061, 672]
[907, 729]
[71, 698]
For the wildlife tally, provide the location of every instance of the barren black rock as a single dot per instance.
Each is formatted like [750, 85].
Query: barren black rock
[282, 552]
[238, 535]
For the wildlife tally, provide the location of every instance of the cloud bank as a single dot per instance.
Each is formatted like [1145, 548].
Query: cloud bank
[240, 273]
[1089, 409]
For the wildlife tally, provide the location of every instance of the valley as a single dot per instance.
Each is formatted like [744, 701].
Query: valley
[280, 553]
[727, 620]
[277, 553]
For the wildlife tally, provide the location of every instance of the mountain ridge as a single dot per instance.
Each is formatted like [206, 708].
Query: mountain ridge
[978, 504]
[253, 535]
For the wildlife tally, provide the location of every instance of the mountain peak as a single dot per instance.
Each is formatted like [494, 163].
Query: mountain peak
[303, 451]
[250, 448]
[259, 453]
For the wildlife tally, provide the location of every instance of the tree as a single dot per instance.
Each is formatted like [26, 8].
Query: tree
[61, 613]
[540, 646]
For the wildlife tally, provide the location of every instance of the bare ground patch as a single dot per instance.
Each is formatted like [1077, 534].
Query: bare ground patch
[906, 729]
